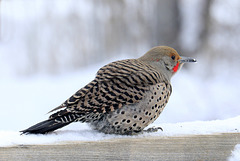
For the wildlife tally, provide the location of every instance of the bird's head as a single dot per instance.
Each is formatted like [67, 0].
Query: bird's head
[165, 59]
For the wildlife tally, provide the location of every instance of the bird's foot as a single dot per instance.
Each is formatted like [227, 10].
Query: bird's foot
[153, 129]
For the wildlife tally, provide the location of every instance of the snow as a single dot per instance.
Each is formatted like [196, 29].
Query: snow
[82, 132]
[235, 154]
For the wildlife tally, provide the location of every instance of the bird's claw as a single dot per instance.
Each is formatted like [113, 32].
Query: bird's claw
[153, 129]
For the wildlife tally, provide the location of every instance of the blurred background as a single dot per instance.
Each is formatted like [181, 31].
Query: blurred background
[50, 49]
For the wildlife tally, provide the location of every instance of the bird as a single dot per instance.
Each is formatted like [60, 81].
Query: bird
[124, 97]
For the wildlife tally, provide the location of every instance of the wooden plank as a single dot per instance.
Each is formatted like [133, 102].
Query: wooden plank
[197, 147]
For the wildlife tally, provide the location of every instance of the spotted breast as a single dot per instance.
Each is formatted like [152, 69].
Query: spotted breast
[131, 119]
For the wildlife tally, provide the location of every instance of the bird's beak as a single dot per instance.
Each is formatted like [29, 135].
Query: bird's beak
[187, 60]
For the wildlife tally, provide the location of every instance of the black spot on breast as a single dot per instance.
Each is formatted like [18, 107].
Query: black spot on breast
[118, 111]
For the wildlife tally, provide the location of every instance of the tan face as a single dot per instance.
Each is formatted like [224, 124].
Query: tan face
[175, 57]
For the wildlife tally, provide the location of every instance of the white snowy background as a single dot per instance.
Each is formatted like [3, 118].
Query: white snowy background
[50, 49]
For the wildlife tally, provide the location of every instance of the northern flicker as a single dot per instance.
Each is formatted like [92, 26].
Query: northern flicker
[124, 98]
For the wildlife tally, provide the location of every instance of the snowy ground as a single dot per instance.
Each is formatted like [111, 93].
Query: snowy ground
[82, 132]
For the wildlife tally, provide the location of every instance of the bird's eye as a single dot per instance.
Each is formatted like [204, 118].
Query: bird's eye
[173, 57]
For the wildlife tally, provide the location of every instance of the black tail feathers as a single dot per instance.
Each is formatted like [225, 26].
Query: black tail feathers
[55, 121]
[45, 127]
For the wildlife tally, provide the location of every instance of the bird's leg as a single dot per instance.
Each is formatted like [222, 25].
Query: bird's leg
[153, 129]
